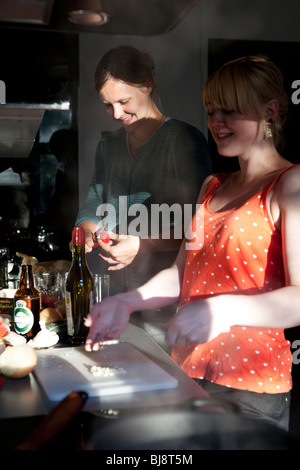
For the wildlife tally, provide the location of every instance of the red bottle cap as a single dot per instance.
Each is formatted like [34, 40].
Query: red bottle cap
[78, 236]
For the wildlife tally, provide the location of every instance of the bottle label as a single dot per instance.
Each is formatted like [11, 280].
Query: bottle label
[23, 318]
[70, 325]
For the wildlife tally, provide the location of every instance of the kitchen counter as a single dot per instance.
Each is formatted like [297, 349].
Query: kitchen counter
[24, 397]
[163, 418]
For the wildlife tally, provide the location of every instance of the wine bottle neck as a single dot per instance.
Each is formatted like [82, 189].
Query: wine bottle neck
[79, 254]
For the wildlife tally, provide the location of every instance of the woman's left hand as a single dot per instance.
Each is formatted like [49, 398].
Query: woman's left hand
[120, 252]
[196, 323]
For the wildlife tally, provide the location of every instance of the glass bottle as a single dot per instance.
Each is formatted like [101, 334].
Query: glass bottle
[26, 305]
[79, 290]
[3, 268]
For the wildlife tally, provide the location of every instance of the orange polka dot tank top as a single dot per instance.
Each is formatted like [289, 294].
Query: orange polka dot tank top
[236, 251]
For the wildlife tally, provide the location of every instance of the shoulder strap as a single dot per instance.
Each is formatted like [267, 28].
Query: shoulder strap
[271, 184]
[214, 183]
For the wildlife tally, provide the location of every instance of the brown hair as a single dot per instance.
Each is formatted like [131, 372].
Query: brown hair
[126, 64]
[247, 84]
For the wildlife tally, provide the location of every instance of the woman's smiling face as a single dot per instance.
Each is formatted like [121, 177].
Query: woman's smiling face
[233, 132]
[128, 104]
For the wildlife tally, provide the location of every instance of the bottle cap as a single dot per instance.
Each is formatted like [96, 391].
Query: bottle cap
[78, 236]
[104, 237]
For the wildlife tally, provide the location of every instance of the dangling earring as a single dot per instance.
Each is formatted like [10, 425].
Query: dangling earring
[268, 130]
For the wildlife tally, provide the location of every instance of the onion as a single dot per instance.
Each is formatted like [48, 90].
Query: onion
[50, 315]
[18, 361]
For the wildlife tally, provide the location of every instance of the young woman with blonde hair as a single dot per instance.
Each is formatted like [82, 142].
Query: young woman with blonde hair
[239, 288]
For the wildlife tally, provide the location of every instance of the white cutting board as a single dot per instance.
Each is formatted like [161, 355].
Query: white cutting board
[124, 369]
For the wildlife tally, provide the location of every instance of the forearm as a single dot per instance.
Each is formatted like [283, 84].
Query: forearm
[160, 291]
[94, 199]
[203, 320]
[90, 226]
[108, 319]
[275, 309]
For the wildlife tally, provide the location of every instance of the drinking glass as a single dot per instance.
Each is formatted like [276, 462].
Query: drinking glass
[101, 286]
[51, 287]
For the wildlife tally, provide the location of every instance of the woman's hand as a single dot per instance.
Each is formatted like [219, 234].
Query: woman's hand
[89, 230]
[107, 320]
[89, 242]
[121, 250]
[196, 323]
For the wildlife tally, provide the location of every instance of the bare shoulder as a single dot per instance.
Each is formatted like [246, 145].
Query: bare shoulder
[287, 188]
[289, 182]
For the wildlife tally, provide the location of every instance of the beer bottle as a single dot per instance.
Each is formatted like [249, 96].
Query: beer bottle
[26, 305]
[79, 290]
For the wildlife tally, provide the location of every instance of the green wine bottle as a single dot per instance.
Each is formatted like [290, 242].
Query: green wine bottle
[79, 290]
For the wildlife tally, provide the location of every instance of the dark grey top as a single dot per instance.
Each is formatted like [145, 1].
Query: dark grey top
[168, 169]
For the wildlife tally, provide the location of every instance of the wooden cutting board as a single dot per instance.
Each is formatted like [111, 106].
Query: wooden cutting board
[114, 369]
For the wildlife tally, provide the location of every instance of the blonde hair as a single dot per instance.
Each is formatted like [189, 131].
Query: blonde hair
[246, 84]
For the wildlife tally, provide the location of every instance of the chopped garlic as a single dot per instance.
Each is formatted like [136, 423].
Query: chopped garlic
[98, 371]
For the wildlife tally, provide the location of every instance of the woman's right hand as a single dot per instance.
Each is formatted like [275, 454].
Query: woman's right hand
[107, 320]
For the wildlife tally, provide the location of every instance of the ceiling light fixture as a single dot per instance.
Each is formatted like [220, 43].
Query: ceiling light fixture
[89, 17]
[87, 13]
